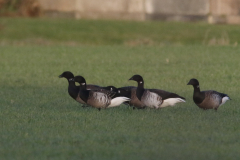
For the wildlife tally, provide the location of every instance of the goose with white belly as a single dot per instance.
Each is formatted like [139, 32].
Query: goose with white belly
[98, 98]
[207, 99]
[73, 89]
[152, 98]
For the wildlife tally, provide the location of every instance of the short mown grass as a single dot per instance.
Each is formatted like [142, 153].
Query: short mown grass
[104, 32]
[39, 120]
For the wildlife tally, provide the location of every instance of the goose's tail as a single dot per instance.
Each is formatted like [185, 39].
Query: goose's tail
[224, 99]
[118, 100]
[171, 102]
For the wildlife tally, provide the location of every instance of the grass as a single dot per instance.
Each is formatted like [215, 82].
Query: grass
[39, 120]
[75, 32]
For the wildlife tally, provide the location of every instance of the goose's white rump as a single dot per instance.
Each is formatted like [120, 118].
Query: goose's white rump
[171, 102]
[117, 101]
[224, 99]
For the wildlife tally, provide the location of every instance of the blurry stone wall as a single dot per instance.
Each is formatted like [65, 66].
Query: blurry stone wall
[213, 11]
[224, 11]
[179, 10]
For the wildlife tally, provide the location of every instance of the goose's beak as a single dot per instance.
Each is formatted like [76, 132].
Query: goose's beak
[130, 79]
[60, 76]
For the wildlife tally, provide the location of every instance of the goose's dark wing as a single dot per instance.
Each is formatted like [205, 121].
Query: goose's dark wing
[165, 94]
[220, 94]
[215, 95]
[92, 87]
[121, 92]
[109, 94]
[128, 88]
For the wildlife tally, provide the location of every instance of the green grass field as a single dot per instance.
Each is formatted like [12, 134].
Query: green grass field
[39, 120]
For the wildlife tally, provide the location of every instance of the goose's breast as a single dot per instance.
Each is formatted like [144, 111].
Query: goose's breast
[151, 99]
[134, 100]
[80, 100]
[99, 100]
[211, 101]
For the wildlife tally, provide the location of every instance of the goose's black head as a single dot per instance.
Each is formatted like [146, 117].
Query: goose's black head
[80, 80]
[137, 78]
[111, 88]
[194, 82]
[124, 93]
[67, 74]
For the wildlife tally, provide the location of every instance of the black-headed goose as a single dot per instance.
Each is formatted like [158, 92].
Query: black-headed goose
[207, 99]
[153, 98]
[73, 90]
[98, 98]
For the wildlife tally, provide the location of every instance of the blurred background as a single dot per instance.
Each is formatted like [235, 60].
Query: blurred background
[211, 11]
[168, 42]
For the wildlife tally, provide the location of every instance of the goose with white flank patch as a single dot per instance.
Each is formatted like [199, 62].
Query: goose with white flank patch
[207, 99]
[152, 98]
[73, 90]
[98, 98]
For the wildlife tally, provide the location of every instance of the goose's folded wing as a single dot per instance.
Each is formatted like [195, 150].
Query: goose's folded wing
[165, 94]
[92, 87]
[128, 88]
[108, 93]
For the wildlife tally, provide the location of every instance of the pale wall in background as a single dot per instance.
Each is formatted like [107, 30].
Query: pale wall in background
[213, 11]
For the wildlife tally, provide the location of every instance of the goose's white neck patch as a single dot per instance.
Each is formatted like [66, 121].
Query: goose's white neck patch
[82, 83]
[71, 79]
[140, 82]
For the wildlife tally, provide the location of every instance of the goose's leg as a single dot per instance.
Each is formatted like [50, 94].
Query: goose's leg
[84, 105]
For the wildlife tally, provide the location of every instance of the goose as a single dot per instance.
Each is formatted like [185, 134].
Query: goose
[152, 98]
[130, 92]
[98, 98]
[73, 90]
[124, 92]
[209, 99]
[109, 88]
[119, 92]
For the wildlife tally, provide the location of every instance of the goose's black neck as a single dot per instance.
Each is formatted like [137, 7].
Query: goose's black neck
[196, 89]
[72, 88]
[198, 96]
[71, 82]
[141, 84]
[83, 86]
[84, 93]
[140, 89]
